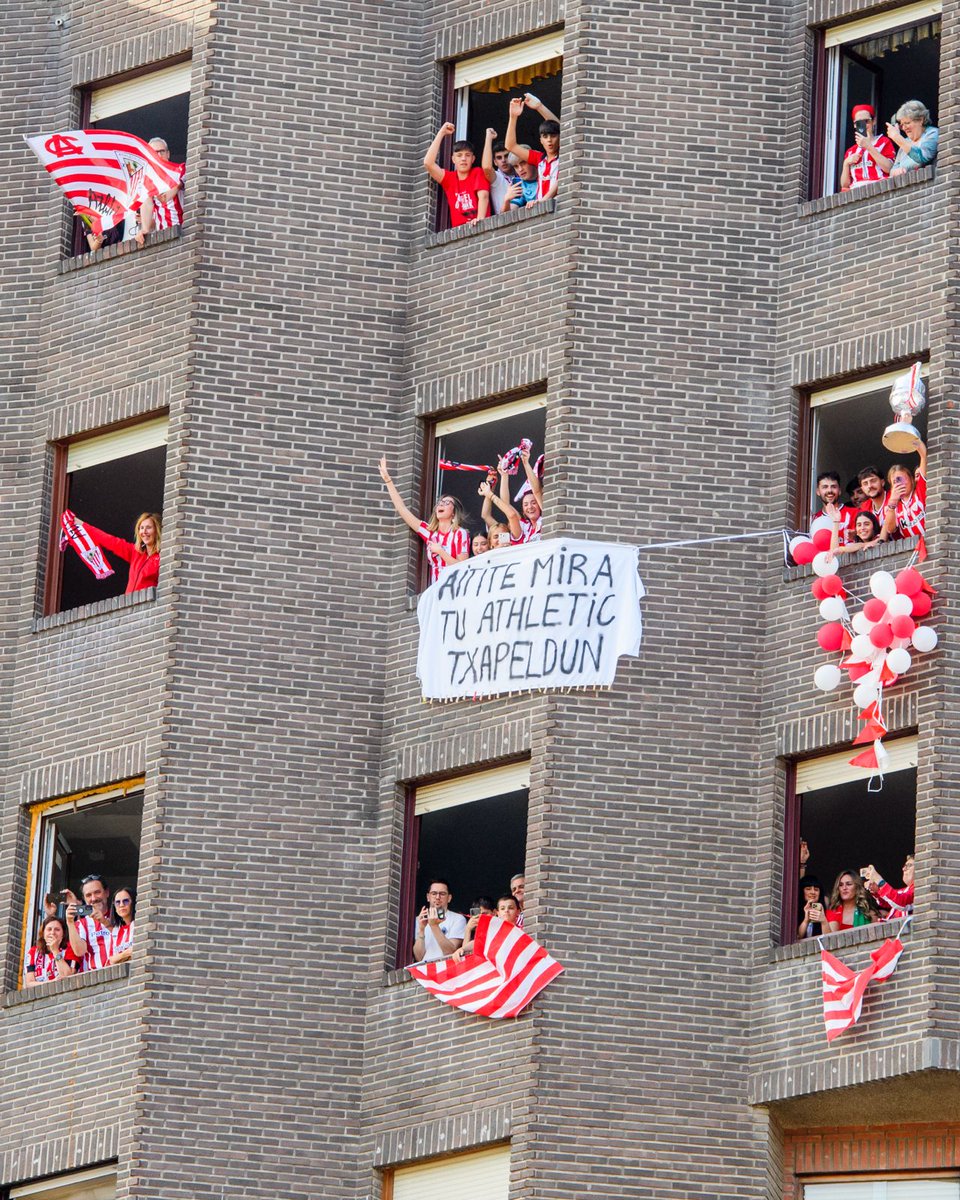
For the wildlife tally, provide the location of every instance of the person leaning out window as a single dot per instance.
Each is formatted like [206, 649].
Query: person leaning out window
[913, 135]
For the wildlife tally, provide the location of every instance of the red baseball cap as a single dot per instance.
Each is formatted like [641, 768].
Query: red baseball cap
[862, 108]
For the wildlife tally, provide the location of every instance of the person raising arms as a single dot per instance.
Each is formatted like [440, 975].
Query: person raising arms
[143, 553]
[446, 535]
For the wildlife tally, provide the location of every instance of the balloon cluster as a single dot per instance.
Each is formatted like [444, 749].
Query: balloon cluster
[878, 639]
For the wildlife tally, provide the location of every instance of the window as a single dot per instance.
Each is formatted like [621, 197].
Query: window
[97, 1183]
[845, 824]
[837, 418]
[151, 105]
[94, 833]
[470, 830]
[108, 480]
[884, 1189]
[883, 61]
[481, 1175]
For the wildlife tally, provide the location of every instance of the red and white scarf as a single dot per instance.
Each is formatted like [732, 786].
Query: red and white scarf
[73, 532]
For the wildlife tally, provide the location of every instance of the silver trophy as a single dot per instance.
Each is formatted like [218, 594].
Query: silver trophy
[907, 397]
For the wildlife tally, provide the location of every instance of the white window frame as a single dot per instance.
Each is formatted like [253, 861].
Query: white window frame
[872, 1187]
[48, 1189]
[467, 71]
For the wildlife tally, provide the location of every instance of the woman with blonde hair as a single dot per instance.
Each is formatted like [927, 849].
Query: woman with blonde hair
[849, 905]
[143, 553]
[446, 534]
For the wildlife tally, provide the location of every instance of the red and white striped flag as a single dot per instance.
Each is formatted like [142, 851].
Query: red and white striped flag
[105, 173]
[843, 989]
[74, 533]
[503, 974]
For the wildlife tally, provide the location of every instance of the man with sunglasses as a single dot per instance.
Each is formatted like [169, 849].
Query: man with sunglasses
[90, 937]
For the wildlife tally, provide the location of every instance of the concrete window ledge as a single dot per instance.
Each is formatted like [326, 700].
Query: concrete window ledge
[75, 983]
[100, 609]
[905, 546]
[119, 250]
[544, 209]
[399, 975]
[835, 942]
[810, 208]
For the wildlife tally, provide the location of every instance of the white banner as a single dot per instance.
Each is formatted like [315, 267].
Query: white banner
[548, 614]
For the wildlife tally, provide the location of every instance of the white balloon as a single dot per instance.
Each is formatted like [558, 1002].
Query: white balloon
[924, 639]
[798, 541]
[864, 693]
[833, 609]
[826, 564]
[883, 585]
[899, 606]
[861, 648]
[821, 523]
[827, 677]
[862, 623]
[899, 662]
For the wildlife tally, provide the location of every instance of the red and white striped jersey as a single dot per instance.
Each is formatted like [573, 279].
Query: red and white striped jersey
[530, 530]
[876, 506]
[865, 169]
[911, 511]
[454, 541]
[547, 170]
[98, 938]
[121, 937]
[44, 967]
[167, 213]
[848, 520]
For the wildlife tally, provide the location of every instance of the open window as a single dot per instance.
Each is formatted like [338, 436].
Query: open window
[479, 1174]
[108, 480]
[153, 104]
[884, 61]
[470, 830]
[94, 833]
[95, 1183]
[901, 1186]
[845, 426]
[845, 824]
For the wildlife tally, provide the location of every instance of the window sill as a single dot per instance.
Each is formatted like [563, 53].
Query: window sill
[397, 976]
[99, 609]
[118, 250]
[884, 550]
[500, 221]
[810, 208]
[74, 984]
[840, 941]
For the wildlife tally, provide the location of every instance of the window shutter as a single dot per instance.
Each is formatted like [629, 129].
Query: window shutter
[486, 416]
[137, 93]
[481, 1176]
[892, 18]
[511, 58]
[831, 770]
[464, 789]
[862, 387]
[106, 447]
[99, 1183]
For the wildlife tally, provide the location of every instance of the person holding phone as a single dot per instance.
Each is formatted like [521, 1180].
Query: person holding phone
[905, 515]
[917, 140]
[870, 157]
[440, 931]
[812, 912]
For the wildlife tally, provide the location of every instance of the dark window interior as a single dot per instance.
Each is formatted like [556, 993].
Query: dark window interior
[485, 444]
[887, 70]
[846, 438]
[488, 110]
[111, 496]
[476, 846]
[847, 827]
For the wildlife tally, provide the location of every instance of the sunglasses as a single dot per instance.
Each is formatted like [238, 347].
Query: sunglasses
[122, 903]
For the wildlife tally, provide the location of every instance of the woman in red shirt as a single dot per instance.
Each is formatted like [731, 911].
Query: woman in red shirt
[143, 553]
[51, 958]
[849, 906]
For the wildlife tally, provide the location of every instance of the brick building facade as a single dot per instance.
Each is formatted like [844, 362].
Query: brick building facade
[676, 306]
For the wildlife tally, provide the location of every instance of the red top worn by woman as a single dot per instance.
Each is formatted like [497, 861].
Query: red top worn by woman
[144, 568]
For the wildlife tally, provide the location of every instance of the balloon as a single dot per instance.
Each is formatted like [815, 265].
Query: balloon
[875, 610]
[861, 648]
[881, 635]
[921, 604]
[822, 538]
[832, 585]
[899, 661]
[883, 585]
[909, 582]
[861, 622]
[827, 677]
[865, 693]
[924, 639]
[897, 606]
[799, 540]
[830, 637]
[804, 553]
[832, 609]
[821, 523]
[903, 627]
[817, 588]
[825, 564]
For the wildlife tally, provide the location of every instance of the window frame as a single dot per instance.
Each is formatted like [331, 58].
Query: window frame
[950, 1175]
[36, 1189]
[460, 1156]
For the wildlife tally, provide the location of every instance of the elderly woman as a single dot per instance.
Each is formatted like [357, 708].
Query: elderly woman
[917, 144]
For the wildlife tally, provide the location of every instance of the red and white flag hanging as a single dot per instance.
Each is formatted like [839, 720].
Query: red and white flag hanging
[843, 989]
[503, 974]
[104, 173]
[74, 533]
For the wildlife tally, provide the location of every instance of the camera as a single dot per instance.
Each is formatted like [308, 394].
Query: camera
[861, 127]
[441, 913]
[83, 910]
[503, 539]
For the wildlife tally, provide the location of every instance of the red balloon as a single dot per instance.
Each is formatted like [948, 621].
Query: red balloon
[903, 627]
[881, 636]
[875, 610]
[832, 585]
[921, 604]
[818, 590]
[909, 582]
[822, 539]
[830, 636]
[804, 553]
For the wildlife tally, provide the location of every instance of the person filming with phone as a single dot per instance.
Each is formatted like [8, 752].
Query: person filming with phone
[870, 157]
[439, 930]
[90, 925]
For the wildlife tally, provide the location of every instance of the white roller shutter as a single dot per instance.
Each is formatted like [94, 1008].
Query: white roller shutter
[464, 789]
[484, 1175]
[119, 443]
[512, 58]
[99, 1183]
[892, 18]
[862, 387]
[888, 1189]
[834, 769]
[486, 416]
[136, 93]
